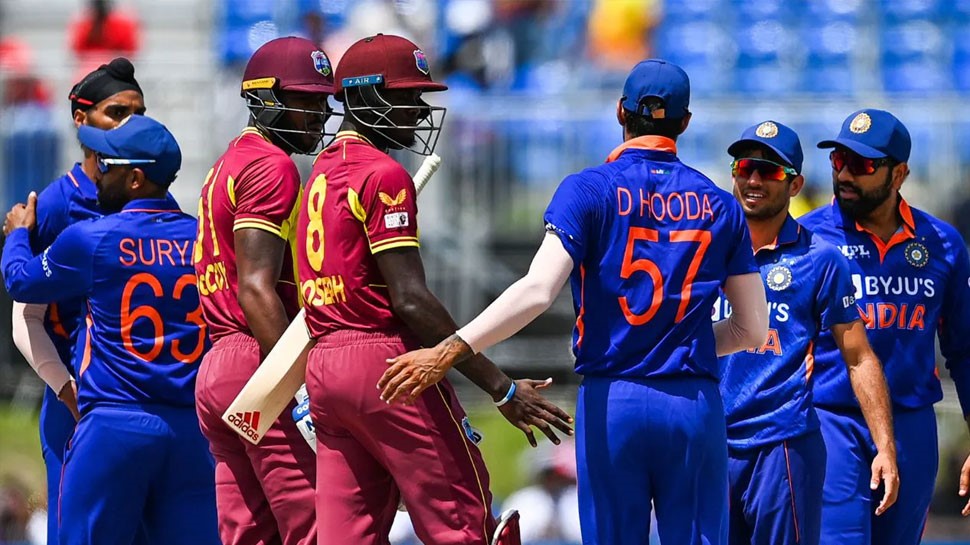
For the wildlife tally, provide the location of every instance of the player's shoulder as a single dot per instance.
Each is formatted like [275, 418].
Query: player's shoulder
[947, 232]
[823, 251]
[594, 179]
[815, 219]
[250, 151]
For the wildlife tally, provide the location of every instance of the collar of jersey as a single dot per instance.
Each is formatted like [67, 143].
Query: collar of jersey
[167, 204]
[352, 135]
[788, 234]
[650, 143]
[81, 181]
[254, 131]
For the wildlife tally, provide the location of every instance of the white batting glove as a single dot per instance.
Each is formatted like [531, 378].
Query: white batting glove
[301, 415]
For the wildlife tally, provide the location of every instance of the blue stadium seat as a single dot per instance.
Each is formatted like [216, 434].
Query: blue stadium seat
[914, 39]
[960, 38]
[703, 49]
[828, 77]
[822, 11]
[922, 75]
[685, 11]
[907, 10]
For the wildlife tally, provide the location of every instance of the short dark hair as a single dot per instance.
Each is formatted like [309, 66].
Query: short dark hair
[641, 125]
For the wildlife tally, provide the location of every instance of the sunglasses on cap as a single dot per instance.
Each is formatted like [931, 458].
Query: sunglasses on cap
[767, 170]
[105, 163]
[857, 164]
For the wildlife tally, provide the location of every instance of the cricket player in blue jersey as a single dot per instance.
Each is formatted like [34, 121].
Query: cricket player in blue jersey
[647, 242]
[46, 334]
[776, 455]
[137, 456]
[910, 272]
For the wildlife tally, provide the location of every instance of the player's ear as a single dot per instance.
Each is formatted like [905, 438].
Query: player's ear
[899, 174]
[79, 118]
[797, 183]
[620, 114]
[684, 122]
[137, 180]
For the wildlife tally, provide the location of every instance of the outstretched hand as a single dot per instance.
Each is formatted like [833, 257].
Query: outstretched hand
[411, 373]
[529, 408]
[22, 215]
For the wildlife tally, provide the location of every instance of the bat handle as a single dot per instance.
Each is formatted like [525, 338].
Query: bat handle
[425, 171]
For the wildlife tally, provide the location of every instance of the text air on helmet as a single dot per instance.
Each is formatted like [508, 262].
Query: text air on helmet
[294, 65]
[387, 62]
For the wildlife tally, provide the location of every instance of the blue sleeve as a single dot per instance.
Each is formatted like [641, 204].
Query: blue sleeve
[835, 297]
[954, 332]
[60, 272]
[52, 217]
[574, 211]
[741, 255]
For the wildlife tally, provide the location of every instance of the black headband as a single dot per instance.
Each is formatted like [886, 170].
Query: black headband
[107, 80]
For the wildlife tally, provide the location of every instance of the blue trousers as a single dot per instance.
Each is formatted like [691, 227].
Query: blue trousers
[659, 441]
[130, 467]
[56, 427]
[848, 505]
[776, 492]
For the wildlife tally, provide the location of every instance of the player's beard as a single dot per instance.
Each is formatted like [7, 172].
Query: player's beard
[866, 201]
[766, 211]
[111, 197]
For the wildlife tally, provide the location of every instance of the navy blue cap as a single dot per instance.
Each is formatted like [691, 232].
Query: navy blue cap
[775, 136]
[138, 137]
[661, 79]
[873, 134]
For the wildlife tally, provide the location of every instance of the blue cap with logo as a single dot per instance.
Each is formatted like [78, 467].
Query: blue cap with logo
[873, 134]
[661, 79]
[138, 138]
[775, 136]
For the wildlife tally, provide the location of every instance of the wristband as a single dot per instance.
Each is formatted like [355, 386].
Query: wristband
[508, 396]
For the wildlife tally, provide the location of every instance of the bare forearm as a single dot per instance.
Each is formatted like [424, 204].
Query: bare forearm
[265, 315]
[869, 385]
[432, 323]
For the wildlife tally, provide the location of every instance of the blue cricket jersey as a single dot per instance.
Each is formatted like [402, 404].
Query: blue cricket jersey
[67, 200]
[905, 289]
[767, 390]
[652, 241]
[144, 334]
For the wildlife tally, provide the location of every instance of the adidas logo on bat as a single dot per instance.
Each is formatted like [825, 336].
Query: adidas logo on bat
[247, 422]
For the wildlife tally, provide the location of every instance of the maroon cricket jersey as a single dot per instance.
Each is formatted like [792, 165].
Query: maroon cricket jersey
[359, 201]
[254, 185]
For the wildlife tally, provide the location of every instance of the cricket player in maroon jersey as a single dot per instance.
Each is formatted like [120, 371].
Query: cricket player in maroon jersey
[244, 266]
[363, 286]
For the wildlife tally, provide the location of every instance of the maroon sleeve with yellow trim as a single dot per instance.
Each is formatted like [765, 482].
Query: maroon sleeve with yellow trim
[266, 196]
[388, 209]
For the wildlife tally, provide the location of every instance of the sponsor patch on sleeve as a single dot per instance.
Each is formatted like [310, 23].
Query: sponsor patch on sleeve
[396, 220]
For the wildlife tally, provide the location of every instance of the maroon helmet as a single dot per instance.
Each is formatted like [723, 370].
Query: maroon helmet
[384, 62]
[294, 65]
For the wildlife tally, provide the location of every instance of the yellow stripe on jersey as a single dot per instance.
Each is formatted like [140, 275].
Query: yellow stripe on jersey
[231, 190]
[256, 223]
[395, 242]
[355, 207]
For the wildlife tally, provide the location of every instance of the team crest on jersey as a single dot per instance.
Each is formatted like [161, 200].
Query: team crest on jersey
[917, 255]
[422, 62]
[397, 200]
[860, 123]
[321, 63]
[779, 277]
[767, 130]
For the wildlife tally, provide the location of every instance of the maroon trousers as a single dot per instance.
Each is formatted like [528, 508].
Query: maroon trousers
[370, 454]
[264, 493]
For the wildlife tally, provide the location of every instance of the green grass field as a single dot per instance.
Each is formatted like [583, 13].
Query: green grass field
[20, 458]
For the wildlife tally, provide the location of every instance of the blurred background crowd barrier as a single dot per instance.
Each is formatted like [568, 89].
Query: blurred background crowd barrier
[533, 91]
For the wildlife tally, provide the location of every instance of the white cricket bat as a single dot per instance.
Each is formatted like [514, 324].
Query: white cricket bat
[281, 374]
